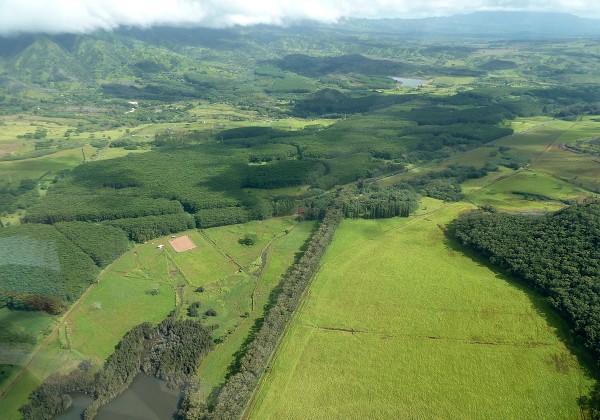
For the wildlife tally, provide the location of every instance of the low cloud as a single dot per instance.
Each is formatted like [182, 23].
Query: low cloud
[83, 16]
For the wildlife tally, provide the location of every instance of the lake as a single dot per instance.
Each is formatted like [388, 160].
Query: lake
[410, 82]
[146, 398]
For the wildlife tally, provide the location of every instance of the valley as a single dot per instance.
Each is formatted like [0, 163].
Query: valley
[317, 172]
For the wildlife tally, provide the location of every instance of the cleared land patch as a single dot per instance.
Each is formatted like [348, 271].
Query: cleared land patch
[399, 324]
[183, 243]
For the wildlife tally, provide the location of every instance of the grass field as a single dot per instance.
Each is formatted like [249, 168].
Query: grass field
[278, 257]
[235, 279]
[400, 324]
[19, 331]
[527, 190]
[35, 168]
[92, 328]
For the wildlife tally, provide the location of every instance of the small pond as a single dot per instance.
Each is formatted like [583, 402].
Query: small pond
[410, 82]
[147, 398]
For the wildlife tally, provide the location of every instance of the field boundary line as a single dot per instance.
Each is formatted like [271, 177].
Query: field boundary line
[252, 401]
[220, 250]
[352, 331]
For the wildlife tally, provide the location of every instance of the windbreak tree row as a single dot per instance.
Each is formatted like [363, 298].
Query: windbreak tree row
[247, 371]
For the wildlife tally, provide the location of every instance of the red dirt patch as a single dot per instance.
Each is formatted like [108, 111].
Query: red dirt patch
[183, 243]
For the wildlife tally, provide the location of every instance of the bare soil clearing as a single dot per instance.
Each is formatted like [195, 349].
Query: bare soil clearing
[183, 243]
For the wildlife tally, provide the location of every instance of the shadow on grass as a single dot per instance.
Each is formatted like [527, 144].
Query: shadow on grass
[560, 326]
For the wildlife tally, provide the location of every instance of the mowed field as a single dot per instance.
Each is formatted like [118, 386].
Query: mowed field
[400, 324]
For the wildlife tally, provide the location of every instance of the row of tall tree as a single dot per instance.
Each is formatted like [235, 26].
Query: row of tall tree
[254, 356]
[379, 203]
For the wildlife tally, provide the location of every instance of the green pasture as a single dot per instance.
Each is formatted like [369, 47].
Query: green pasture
[226, 238]
[121, 300]
[35, 168]
[124, 297]
[580, 169]
[399, 323]
[13, 126]
[116, 152]
[521, 124]
[19, 333]
[527, 190]
[583, 129]
[203, 264]
[279, 256]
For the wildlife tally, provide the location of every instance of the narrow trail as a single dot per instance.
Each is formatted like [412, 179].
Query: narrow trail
[100, 152]
[263, 262]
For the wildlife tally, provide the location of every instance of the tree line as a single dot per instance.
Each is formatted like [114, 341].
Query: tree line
[557, 254]
[44, 267]
[254, 356]
[171, 351]
[373, 202]
[142, 229]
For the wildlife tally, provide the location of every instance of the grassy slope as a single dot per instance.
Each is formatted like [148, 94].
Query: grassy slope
[511, 193]
[29, 325]
[36, 167]
[436, 335]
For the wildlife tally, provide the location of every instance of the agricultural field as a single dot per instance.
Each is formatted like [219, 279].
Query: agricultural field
[146, 284]
[14, 171]
[226, 136]
[529, 190]
[420, 330]
[278, 257]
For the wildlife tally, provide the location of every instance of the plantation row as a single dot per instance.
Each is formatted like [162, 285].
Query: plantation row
[44, 266]
[445, 184]
[208, 179]
[171, 351]
[378, 203]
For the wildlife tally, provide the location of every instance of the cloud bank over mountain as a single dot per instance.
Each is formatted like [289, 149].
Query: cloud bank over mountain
[84, 16]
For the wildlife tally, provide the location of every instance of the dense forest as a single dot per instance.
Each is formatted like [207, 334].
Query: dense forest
[372, 202]
[557, 254]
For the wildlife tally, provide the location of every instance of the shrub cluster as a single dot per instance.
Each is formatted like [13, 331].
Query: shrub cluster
[171, 351]
[53, 395]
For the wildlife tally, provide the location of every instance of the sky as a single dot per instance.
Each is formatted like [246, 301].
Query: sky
[84, 16]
